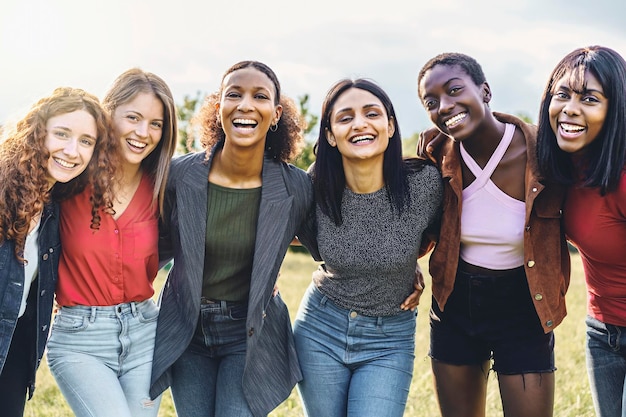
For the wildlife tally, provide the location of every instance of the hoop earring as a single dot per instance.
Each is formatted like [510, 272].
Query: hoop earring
[274, 128]
[218, 122]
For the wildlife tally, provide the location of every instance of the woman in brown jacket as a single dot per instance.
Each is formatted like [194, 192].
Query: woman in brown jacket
[500, 267]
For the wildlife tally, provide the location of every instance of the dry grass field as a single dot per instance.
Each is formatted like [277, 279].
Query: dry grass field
[572, 389]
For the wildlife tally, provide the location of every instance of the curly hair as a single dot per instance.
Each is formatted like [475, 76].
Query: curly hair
[24, 181]
[283, 144]
[124, 89]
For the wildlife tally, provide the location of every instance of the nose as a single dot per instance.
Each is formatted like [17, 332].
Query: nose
[71, 148]
[359, 122]
[446, 104]
[244, 104]
[571, 108]
[142, 129]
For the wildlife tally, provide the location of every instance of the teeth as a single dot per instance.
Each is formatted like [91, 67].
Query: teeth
[136, 143]
[64, 163]
[456, 119]
[572, 128]
[361, 138]
[244, 121]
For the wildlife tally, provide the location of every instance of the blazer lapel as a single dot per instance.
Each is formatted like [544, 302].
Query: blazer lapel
[192, 199]
[274, 216]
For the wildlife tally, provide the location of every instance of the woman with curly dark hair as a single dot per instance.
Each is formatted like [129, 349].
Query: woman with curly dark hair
[62, 144]
[230, 214]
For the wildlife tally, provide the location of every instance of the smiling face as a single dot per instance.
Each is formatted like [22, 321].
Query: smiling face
[246, 108]
[139, 125]
[71, 140]
[455, 104]
[359, 126]
[577, 114]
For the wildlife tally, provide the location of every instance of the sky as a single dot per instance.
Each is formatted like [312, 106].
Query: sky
[310, 45]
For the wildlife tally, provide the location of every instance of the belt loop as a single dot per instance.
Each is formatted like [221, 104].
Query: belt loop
[379, 321]
[224, 307]
[92, 316]
[133, 308]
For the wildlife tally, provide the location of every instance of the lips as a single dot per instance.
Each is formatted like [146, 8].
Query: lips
[245, 123]
[455, 120]
[571, 128]
[361, 138]
[136, 143]
[64, 163]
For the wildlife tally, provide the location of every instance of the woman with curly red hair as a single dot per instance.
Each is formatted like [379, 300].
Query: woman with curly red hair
[62, 144]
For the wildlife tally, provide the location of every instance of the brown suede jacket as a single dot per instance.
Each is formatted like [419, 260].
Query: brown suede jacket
[546, 256]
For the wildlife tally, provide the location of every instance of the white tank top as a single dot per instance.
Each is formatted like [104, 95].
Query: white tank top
[492, 222]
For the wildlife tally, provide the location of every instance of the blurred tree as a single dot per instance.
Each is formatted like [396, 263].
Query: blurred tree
[186, 110]
[307, 156]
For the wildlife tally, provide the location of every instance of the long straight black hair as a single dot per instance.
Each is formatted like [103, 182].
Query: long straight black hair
[606, 155]
[329, 180]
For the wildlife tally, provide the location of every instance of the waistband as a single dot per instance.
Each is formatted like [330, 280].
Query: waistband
[107, 311]
[223, 306]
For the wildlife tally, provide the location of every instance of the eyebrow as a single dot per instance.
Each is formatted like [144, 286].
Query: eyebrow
[585, 90]
[367, 106]
[67, 129]
[142, 116]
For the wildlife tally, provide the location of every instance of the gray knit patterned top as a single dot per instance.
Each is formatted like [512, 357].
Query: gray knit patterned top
[369, 261]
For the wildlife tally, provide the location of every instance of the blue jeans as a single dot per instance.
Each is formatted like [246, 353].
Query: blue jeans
[101, 358]
[606, 366]
[353, 365]
[207, 378]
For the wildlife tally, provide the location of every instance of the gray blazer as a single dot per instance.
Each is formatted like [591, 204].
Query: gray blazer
[272, 368]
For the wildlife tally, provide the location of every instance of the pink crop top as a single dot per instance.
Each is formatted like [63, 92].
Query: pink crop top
[492, 222]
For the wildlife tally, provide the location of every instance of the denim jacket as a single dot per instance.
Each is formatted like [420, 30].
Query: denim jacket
[546, 256]
[12, 288]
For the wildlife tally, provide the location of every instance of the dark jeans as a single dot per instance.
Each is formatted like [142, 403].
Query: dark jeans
[14, 379]
[207, 378]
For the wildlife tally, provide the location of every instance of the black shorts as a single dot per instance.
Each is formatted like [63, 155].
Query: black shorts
[491, 318]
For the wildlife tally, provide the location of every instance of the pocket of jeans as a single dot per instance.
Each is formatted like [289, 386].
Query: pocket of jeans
[149, 312]
[69, 323]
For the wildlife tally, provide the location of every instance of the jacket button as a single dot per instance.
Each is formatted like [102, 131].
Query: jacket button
[538, 297]
[43, 292]
[527, 228]
[51, 250]
[534, 189]
[531, 263]
[251, 332]
[45, 256]
[549, 323]
[44, 327]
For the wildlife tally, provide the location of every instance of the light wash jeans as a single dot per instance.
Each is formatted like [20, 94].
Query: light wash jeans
[101, 358]
[606, 367]
[207, 378]
[353, 365]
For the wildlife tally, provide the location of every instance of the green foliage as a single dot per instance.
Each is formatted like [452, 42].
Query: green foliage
[307, 156]
[186, 111]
